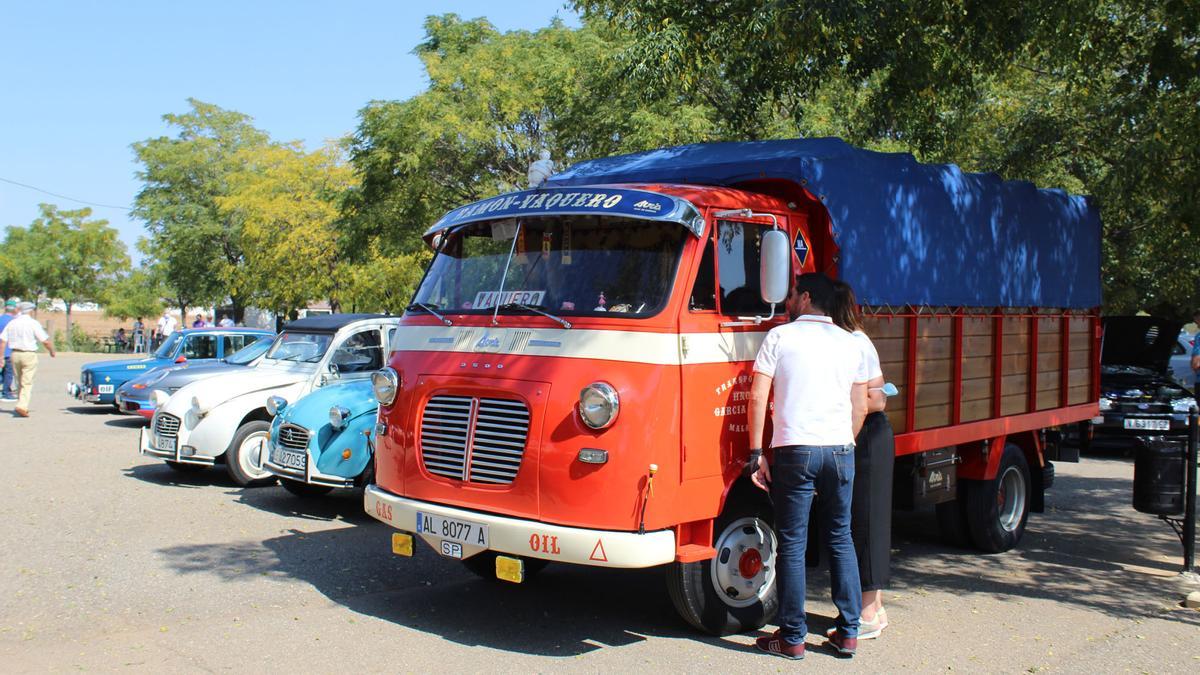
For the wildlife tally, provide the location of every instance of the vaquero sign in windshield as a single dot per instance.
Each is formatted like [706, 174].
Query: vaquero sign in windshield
[585, 200]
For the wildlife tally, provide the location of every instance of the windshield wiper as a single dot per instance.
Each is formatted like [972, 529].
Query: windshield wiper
[536, 309]
[432, 309]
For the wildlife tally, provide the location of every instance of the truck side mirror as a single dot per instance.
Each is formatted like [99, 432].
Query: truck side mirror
[774, 270]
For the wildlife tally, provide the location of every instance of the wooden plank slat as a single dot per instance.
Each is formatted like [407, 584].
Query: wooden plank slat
[976, 410]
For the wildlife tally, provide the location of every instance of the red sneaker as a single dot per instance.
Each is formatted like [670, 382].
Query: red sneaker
[846, 646]
[773, 644]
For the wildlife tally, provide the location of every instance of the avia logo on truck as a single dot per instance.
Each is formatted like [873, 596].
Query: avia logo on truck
[603, 422]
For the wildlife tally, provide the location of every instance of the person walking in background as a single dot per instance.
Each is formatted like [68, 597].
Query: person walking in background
[198, 322]
[819, 379]
[225, 322]
[166, 326]
[23, 334]
[139, 336]
[6, 376]
[874, 461]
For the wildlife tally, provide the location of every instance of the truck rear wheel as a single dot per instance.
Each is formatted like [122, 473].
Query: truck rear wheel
[734, 591]
[244, 458]
[998, 509]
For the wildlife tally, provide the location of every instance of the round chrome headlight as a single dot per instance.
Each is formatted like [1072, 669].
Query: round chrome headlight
[386, 383]
[160, 397]
[275, 404]
[1106, 404]
[599, 405]
[338, 416]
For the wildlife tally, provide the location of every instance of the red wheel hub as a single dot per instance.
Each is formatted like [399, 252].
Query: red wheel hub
[750, 564]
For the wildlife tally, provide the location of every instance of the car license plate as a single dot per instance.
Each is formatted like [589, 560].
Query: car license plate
[292, 459]
[104, 389]
[453, 532]
[166, 444]
[1148, 424]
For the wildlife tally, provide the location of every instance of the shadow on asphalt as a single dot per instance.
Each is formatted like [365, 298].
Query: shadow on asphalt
[563, 611]
[160, 473]
[91, 409]
[1076, 554]
[344, 505]
[128, 422]
[1081, 552]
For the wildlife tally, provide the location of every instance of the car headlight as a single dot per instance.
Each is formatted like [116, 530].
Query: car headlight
[275, 404]
[599, 405]
[197, 408]
[160, 398]
[386, 383]
[1183, 404]
[1105, 404]
[338, 416]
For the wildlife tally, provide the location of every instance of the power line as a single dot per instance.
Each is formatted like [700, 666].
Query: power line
[55, 194]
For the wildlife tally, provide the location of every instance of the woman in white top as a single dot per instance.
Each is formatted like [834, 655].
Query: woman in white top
[874, 461]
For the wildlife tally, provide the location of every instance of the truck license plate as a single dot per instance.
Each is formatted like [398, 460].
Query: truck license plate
[452, 532]
[166, 444]
[104, 389]
[1148, 424]
[292, 459]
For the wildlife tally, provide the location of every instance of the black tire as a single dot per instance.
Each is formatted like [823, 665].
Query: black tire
[693, 586]
[998, 509]
[238, 464]
[367, 477]
[483, 565]
[304, 490]
[952, 520]
[181, 467]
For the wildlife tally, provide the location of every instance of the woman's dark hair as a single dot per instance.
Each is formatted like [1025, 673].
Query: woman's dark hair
[844, 310]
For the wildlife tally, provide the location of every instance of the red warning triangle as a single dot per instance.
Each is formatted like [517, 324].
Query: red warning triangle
[598, 552]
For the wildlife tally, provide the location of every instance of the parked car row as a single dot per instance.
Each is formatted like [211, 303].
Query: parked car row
[297, 406]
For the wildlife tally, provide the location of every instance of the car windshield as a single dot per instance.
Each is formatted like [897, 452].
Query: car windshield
[570, 265]
[168, 346]
[250, 352]
[300, 347]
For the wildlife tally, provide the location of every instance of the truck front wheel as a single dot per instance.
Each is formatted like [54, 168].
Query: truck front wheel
[734, 591]
[998, 509]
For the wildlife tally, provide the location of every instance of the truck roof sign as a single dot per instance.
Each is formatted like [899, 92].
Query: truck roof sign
[582, 200]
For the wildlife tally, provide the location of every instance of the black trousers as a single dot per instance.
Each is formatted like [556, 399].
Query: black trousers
[871, 505]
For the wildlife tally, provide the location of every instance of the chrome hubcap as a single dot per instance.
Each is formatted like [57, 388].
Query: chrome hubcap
[744, 570]
[250, 454]
[1010, 498]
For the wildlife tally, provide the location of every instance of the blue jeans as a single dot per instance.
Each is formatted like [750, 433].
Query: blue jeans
[800, 474]
[8, 379]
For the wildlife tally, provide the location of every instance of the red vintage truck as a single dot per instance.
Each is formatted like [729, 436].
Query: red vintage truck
[570, 382]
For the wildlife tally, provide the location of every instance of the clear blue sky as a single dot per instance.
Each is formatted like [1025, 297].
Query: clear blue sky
[81, 81]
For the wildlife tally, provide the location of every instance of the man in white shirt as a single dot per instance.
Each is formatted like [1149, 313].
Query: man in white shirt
[819, 379]
[22, 335]
[166, 326]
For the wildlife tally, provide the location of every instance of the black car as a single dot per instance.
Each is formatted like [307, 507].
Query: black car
[1138, 397]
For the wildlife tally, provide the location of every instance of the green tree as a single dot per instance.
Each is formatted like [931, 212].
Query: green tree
[495, 101]
[197, 245]
[137, 294]
[1100, 98]
[287, 201]
[69, 256]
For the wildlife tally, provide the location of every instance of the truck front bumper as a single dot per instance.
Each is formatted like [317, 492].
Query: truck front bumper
[529, 538]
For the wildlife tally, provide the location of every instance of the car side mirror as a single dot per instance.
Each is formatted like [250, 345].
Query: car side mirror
[181, 359]
[774, 266]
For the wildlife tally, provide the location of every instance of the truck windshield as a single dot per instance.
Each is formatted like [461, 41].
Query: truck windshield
[300, 347]
[580, 265]
[168, 346]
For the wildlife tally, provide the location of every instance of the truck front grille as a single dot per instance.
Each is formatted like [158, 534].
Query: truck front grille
[477, 440]
[293, 437]
[166, 426]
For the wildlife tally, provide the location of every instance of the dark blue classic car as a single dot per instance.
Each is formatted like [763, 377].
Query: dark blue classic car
[99, 380]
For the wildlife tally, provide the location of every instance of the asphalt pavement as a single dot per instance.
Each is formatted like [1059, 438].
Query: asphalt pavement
[113, 561]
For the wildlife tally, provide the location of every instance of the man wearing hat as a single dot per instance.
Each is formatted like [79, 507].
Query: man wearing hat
[22, 335]
[6, 369]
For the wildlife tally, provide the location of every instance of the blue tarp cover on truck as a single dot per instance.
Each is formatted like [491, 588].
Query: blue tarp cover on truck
[908, 233]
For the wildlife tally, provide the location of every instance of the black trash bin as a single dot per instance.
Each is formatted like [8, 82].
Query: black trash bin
[1158, 475]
